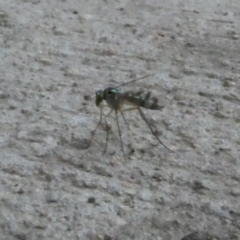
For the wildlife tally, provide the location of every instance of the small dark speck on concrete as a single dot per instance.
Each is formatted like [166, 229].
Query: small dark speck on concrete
[198, 236]
[107, 237]
[87, 97]
[91, 200]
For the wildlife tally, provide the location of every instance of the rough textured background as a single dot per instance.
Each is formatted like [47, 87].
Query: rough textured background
[55, 55]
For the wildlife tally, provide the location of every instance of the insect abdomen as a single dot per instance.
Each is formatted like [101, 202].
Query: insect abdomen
[141, 100]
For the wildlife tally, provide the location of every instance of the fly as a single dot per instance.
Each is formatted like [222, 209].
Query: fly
[117, 100]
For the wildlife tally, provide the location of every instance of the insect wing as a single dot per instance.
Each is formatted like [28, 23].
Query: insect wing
[141, 100]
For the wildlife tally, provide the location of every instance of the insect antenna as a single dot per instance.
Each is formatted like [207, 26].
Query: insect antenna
[145, 119]
[134, 80]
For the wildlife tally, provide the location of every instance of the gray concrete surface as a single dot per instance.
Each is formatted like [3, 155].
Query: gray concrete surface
[55, 55]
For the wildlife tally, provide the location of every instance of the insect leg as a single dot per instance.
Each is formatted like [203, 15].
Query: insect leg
[100, 120]
[132, 109]
[93, 132]
[124, 118]
[107, 128]
[145, 119]
[119, 132]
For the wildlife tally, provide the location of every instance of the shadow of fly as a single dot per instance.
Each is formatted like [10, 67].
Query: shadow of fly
[120, 102]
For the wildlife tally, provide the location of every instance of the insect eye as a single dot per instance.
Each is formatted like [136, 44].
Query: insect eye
[110, 91]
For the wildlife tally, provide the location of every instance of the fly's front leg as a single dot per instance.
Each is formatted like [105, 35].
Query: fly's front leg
[93, 132]
[99, 122]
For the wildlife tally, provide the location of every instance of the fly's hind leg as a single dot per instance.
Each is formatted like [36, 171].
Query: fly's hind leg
[132, 109]
[145, 119]
[123, 117]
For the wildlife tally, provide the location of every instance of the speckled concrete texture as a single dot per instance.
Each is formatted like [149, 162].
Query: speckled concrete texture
[55, 55]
